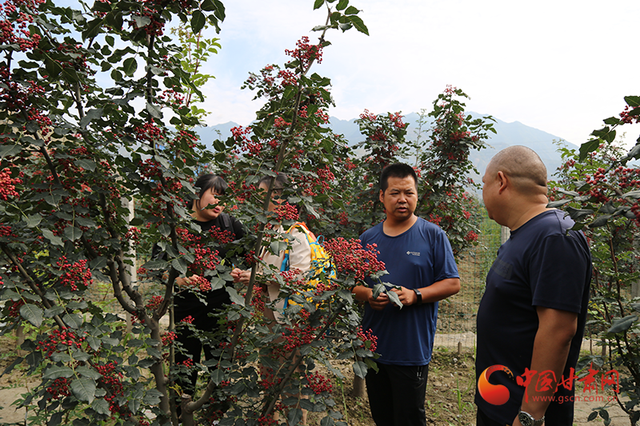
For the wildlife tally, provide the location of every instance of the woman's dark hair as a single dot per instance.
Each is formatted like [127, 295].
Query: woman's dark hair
[210, 181]
[282, 181]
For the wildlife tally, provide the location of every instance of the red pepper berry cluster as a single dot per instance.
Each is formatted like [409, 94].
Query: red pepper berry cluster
[298, 335]
[14, 309]
[351, 259]
[188, 319]
[59, 340]
[318, 383]
[110, 382]
[222, 236]
[8, 184]
[10, 16]
[257, 300]
[198, 282]
[59, 388]
[471, 236]
[626, 116]
[76, 273]
[305, 52]
[205, 257]
[154, 302]
[268, 379]
[168, 337]
[368, 339]
[287, 212]
[267, 421]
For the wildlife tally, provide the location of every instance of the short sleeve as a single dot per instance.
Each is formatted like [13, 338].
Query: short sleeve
[558, 273]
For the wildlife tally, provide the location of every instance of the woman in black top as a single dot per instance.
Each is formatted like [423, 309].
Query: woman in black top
[186, 302]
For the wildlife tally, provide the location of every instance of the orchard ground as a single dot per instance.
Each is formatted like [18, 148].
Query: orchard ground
[449, 393]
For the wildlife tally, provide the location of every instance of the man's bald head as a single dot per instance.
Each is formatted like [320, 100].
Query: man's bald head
[523, 167]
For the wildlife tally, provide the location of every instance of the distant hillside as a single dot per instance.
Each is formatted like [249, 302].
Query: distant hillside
[508, 134]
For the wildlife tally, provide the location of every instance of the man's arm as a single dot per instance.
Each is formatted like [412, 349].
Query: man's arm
[433, 293]
[551, 347]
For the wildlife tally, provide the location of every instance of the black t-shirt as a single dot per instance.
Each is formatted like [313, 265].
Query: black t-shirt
[187, 301]
[540, 265]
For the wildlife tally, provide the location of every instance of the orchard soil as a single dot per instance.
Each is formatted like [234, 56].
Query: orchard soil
[450, 392]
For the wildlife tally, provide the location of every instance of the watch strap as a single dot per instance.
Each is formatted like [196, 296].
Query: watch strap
[419, 295]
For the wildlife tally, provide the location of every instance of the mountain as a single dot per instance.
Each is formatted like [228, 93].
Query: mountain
[507, 134]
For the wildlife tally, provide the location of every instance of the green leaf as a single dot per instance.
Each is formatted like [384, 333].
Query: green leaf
[632, 101]
[393, 296]
[198, 21]
[600, 221]
[72, 233]
[33, 220]
[377, 289]
[360, 369]
[142, 21]
[327, 421]
[557, 203]
[73, 320]
[359, 24]
[152, 397]
[578, 214]
[180, 265]
[101, 406]
[632, 194]
[619, 325]
[32, 313]
[55, 419]
[318, 4]
[295, 416]
[91, 373]
[57, 371]
[342, 4]
[84, 389]
[154, 110]
[588, 147]
[7, 150]
[92, 29]
[351, 10]
[130, 66]
[235, 297]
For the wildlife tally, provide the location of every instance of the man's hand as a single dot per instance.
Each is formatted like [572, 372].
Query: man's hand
[378, 303]
[407, 296]
[240, 276]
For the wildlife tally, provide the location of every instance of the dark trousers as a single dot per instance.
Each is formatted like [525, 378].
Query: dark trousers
[397, 395]
[191, 345]
[483, 420]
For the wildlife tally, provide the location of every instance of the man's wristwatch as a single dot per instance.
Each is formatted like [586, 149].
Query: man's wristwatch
[419, 295]
[527, 419]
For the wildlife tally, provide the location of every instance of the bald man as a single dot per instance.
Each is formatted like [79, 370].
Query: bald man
[531, 318]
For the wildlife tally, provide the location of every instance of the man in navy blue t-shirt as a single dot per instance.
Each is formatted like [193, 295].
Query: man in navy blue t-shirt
[532, 315]
[419, 260]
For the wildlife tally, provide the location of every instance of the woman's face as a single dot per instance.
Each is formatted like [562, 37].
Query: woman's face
[208, 199]
[272, 207]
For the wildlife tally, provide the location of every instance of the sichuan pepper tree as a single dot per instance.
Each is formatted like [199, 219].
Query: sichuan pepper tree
[90, 100]
[272, 365]
[446, 194]
[599, 187]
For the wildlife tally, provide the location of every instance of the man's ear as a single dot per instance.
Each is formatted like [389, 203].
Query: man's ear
[381, 196]
[503, 180]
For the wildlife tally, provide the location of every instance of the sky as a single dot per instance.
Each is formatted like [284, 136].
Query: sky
[558, 66]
